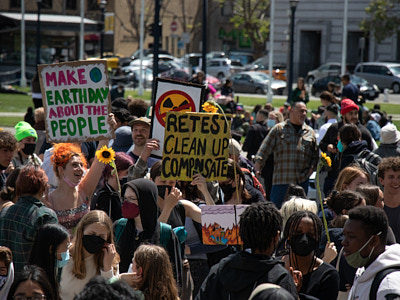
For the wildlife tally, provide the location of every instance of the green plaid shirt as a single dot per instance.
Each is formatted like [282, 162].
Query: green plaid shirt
[19, 224]
[295, 153]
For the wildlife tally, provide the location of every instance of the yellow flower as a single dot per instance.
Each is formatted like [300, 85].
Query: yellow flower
[105, 155]
[326, 160]
[209, 106]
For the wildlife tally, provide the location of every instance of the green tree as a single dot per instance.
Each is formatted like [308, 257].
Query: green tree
[253, 17]
[383, 19]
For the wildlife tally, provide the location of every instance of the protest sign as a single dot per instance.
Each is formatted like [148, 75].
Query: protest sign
[195, 143]
[76, 101]
[172, 95]
[220, 224]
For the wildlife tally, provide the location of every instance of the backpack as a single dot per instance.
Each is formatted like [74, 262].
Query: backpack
[256, 183]
[369, 162]
[378, 279]
[165, 232]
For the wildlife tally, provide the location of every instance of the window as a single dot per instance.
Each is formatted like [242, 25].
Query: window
[71, 4]
[47, 4]
[15, 3]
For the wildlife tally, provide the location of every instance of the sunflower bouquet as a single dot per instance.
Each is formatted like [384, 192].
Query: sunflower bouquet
[106, 156]
[324, 160]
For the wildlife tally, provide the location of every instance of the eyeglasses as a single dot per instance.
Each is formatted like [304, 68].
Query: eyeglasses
[34, 297]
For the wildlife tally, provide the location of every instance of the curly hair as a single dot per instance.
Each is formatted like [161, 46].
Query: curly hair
[388, 163]
[344, 200]
[138, 108]
[157, 278]
[8, 141]
[374, 220]
[63, 152]
[259, 225]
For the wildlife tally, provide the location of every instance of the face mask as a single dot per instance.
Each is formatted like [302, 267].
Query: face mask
[340, 146]
[228, 190]
[3, 280]
[130, 210]
[161, 190]
[302, 244]
[122, 181]
[271, 123]
[93, 243]
[29, 149]
[70, 183]
[64, 259]
[355, 260]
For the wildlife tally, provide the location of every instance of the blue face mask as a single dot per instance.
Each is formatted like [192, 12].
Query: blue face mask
[340, 146]
[64, 259]
[271, 123]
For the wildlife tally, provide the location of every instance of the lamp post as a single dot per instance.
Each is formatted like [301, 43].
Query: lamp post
[39, 5]
[102, 5]
[293, 6]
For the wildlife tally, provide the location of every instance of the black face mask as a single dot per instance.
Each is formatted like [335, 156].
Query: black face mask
[162, 189]
[123, 181]
[93, 243]
[29, 149]
[228, 190]
[302, 244]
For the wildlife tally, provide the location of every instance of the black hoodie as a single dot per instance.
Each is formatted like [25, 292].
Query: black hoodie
[236, 276]
[146, 192]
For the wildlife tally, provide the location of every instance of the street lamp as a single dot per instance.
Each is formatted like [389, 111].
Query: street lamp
[102, 5]
[39, 5]
[293, 6]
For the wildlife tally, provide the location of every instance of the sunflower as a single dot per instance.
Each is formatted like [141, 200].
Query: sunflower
[105, 155]
[326, 160]
[210, 106]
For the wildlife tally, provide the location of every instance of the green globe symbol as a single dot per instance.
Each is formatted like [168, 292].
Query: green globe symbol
[95, 74]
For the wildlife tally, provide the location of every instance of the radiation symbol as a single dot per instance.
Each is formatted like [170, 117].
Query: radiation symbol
[173, 101]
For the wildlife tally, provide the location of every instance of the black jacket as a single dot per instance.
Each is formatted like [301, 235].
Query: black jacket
[350, 154]
[255, 136]
[131, 239]
[237, 275]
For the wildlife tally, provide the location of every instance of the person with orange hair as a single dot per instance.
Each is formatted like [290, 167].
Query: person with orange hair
[71, 199]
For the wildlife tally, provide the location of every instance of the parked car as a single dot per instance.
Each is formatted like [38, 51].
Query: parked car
[132, 75]
[367, 90]
[223, 67]
[255, 82]
[328, 69]
[146, 52]
[244, 57]
[384, 75]
[262, 64]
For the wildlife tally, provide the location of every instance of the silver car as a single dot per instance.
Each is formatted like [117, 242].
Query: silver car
[256, 82]
[384, 75]
[223, 67]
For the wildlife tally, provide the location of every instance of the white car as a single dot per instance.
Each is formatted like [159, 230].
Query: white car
[223, 67]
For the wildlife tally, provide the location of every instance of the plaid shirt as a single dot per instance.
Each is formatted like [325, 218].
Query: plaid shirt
[294, 152]
[19, 224]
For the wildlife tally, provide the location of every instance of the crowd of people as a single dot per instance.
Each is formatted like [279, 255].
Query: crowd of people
[72, 227]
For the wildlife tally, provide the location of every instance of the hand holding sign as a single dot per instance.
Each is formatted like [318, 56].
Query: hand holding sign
[151, 144]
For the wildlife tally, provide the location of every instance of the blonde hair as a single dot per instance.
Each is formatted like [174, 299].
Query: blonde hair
[157, 277]
[347, 176]
[297, 204]
[277, 115]
[94, 216]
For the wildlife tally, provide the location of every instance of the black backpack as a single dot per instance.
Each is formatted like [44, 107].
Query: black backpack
[377, 281]
[369, 162]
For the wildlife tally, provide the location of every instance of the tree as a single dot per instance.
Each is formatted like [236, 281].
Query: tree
[253, 17]
[383, 20]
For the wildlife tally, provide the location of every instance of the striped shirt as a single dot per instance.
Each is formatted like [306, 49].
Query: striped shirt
[19, 224]
[295, 153]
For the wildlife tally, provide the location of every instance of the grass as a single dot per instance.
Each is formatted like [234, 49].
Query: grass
[15, 103]
[10, 121]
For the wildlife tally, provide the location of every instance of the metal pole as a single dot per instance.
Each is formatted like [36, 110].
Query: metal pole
[22, 82]
[140, 91]
[82, 31]
[204, 57]
[271, 51]
[103, 8]
[156, 41]
[289, 99]
[344, 42]
[39, 4]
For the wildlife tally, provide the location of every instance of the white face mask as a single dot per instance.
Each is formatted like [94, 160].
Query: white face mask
[271, 123]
